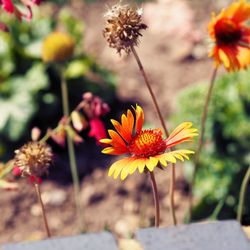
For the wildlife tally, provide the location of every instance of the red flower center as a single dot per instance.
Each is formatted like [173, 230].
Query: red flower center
[227, 32]
[147, 143]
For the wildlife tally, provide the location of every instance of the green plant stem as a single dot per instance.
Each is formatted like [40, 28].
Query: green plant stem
[243, 194]
[156, 199]
[172, 179]
[71, 152]
[45, 138]
[46, 226]
[201, 138]
[218, 208]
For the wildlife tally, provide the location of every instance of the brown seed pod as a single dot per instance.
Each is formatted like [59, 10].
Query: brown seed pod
[33, 158]
[123, 26]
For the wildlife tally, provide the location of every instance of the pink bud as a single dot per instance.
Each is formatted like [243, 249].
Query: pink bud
[35, 133]
[37, 2]
[87, 96]
[8, 5]
[97, 129]
[16, 171]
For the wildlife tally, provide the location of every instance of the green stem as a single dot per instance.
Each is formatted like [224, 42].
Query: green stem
[45, 138]
[242, 195]
[201, 140]
[172, 179]
[218, 208]
[156, 199]
[71, 151]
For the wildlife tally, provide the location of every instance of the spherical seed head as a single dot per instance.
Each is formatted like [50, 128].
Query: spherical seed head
[123, 27]
[33, 158]
[57, 47]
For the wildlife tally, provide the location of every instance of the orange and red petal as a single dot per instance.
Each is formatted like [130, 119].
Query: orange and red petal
[125, 128]
[182, 133]
[139, 114]
[232, 57]
[113, 151]
[127, 123]
[117, 141]
[238, 11]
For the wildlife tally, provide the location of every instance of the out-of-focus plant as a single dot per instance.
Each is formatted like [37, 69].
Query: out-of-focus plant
[6, 181]
[229, 33]
[29, 90]
[226, 155]
[12, 8]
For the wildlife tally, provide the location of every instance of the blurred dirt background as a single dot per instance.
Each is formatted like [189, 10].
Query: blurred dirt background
[174, 52]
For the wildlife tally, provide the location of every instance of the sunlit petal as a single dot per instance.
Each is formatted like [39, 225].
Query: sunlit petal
[139, 114]
[152, 163]
[183, 132]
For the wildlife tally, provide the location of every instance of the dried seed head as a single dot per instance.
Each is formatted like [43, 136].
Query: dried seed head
[57, 47]
[33, 159]
[123, 26]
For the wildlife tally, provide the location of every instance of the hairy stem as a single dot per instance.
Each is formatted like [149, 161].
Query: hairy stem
[172, 181]
[243, 194]
[150, 90]
[201, 138]
[71, 151]
[38, 193]
[156, 199]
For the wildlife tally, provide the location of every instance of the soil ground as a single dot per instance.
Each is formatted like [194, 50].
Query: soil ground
[174, 55]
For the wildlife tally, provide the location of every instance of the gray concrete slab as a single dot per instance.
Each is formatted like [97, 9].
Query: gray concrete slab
[223, 235]
[92, 241]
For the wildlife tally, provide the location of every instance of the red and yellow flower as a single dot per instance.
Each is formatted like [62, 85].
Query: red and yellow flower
[146, 148]
[231, 35]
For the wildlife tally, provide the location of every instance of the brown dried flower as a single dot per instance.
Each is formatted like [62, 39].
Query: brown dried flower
[123, 26]
[33, 158]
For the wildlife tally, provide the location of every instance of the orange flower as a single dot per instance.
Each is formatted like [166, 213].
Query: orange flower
[145, 147]
[231, 36]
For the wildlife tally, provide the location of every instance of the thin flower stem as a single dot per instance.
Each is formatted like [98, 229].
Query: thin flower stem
[71, 151]
[156, 199]
[171, 194]
[150, 90]
[243, 194]
[172, 181]
[38, 193]
[45, 138]
[201, 138]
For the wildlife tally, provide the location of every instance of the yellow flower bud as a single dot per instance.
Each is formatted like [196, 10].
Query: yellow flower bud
[57, 47]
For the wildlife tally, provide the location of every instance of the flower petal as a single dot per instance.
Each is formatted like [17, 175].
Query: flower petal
[125, 129]
[125, 171]
[112, 151]
[182, 133]
[116, 167]
[141, 164]
[139, 114]
[238, 11]
[152, 163]
[173, 155]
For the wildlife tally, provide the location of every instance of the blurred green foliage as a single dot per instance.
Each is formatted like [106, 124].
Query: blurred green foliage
[226, 154]
[30, 92]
